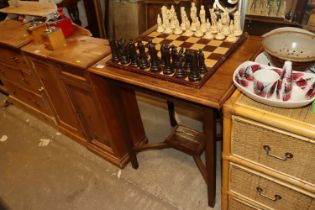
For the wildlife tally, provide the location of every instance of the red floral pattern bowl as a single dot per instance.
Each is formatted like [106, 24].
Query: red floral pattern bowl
[303, 86]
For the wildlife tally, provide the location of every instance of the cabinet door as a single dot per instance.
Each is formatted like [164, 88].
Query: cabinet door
[89, 112]
[66, 116]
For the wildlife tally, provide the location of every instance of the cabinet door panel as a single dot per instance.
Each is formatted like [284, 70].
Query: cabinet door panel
[66, 115]
[90, 114]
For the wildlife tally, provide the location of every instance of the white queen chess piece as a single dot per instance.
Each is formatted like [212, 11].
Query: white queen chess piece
[214, 23]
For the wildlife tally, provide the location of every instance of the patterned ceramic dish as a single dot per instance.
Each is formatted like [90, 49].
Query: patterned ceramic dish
[303, 89]
[294, 46]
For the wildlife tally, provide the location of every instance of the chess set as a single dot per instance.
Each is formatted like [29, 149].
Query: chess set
[176, 57]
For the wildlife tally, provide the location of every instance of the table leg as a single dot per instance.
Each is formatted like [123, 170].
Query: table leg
[171, 113]
[209, 127]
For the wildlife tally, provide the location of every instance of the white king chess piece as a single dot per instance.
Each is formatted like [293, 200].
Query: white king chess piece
[160, 27]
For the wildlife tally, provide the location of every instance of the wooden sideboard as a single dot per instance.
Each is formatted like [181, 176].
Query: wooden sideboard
[268, 156]
[56, 87]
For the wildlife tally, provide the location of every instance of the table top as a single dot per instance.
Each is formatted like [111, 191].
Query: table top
[14, 33]
[81, 50]
[297, 120]
[213, 93]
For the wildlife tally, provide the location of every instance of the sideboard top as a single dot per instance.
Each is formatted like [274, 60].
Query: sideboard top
[14, 34]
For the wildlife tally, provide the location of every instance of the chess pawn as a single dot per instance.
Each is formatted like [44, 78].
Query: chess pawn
[226, 30]
[199, 33]
[178, 29]
[183, 25]
[193, 26]
[188, 32]
[231, 38]
[237, 24]
[160, 28]
[208, 25]
[208, 35]
[187, 24]
[231, 27]
[219, 35]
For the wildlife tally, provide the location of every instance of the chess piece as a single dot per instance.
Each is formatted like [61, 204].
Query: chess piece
[123, 52]
[201, 62]
[194, 74]
[153, 58]
[208, 35]
[214, 27]
[219, 35]
[113, 47]
[199, 33]
[179, 71]
[183, 18]
[188, 32]
[187, 61]
[237, 24]
[231, 27]
[167, 61]
[143, 59]
[208, 25]
[187, 24]
[226, 30]
[162, 50]
[193, 16]
[202, 16]
[132, 53]
[231, 38]
[178, 29]
[160, 28]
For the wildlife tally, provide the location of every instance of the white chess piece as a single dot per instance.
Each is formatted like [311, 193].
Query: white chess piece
[237, 24]
[214, 23]
[220, 35]
[208, 25]
[202, 16]
[183, 18]
[160, 28]
[178, 29]
[199, 33]
[208, 35]
[231, 27]
[188, 31]
[187, 24]
[193, 16]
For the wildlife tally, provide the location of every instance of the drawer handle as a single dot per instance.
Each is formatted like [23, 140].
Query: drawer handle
[15, 59]
[41, 89]
[287, 155]
[260, 192]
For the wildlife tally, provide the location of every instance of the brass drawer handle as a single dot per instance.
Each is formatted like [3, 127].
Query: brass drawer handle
[260, 192]
[41, 89]
[15, 59]
[287, 155]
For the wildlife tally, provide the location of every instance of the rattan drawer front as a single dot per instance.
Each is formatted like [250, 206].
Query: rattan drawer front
[266, 191]
[235, 204]
[273, 148]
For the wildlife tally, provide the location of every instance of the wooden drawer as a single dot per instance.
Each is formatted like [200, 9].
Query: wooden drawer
[267, 191]
[74, 73]
[25, 79]
[36, 101]
[280, 150]
[235, 204]
[12, 58]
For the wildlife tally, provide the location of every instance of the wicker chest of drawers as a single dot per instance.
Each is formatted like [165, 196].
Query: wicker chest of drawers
[268, 156]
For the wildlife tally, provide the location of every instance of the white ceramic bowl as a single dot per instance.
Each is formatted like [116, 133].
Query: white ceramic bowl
[294, 46]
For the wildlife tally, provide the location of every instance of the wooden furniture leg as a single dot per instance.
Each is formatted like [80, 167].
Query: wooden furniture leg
[209, 127]
[171, 112]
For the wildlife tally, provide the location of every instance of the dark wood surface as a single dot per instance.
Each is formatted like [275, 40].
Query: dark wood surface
[213, 93]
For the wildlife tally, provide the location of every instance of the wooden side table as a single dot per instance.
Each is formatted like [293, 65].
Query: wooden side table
[268, 156]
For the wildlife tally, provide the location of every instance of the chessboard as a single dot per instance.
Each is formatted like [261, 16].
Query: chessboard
[215, 53]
